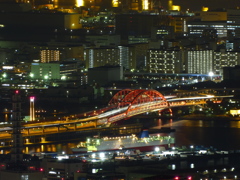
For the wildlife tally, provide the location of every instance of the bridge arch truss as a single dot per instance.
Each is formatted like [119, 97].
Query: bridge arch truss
[137, 101]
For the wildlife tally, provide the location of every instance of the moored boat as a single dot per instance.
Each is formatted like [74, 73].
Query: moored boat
[145, 142]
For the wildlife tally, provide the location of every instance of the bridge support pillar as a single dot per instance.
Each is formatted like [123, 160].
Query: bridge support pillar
[159, 113]
[43, 129]
[75, 126]
[58, 128]
[95, 123]
[28, 131]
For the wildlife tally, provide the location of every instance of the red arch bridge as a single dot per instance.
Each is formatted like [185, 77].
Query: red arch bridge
[124, 104]
[127, 103]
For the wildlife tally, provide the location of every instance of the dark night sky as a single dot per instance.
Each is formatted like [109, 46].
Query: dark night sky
[197, 4]
[193, 5]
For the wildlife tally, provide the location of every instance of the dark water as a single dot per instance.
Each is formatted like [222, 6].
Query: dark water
[221, 134]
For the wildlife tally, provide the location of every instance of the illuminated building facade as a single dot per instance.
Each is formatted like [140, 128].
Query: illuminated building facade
[79, 3]
[45, 71]
[134, 57]
[225, 59]
[223, 22]
[168, 62]
[96, 57]
[115, 3]
[179, 23]
[49, 55]
[58, 51]
[145, 5]
[196, 28]
[124, 56]
[200, 62]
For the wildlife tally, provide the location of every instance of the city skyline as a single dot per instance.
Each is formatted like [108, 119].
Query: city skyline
[195, 5]
[192, 5]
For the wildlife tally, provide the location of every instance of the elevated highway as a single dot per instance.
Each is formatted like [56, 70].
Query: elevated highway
[124, 104]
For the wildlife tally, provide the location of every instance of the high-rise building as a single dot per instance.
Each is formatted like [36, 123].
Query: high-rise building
[223, 59]
[199, 62]
[168, 62]
[102, 56]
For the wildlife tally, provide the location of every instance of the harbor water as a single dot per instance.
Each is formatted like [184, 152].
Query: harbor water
[223, 134]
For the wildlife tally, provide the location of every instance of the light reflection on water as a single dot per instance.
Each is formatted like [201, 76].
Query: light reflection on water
[219, 134]
[204, 123]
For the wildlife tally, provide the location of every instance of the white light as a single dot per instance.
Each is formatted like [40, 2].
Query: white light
[94, 171]
[52, 172]
[192, 166]
[62, 157]
[102, 155]
[157, 149]
[210, 74]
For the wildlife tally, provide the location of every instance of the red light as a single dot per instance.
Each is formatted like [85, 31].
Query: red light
[41, 169]
[189, 178]
[176, 178]
[16, 92]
